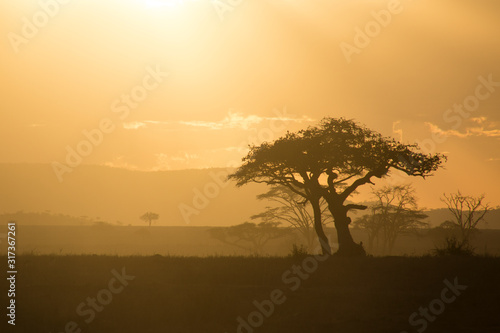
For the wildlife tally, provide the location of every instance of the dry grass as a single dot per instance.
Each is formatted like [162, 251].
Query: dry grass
[191, 294]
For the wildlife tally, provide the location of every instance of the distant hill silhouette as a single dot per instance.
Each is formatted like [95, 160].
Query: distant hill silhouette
[438, 216]
[47, 218]
[112, 194]
[32, 194]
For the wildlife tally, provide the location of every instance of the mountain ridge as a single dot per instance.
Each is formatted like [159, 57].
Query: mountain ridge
[198, 197]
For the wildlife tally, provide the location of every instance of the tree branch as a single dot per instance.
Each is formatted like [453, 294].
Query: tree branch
[361, 181]
[354, 206]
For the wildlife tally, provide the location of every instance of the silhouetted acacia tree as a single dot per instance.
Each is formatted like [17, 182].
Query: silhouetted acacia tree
[249, 236]
[291, 208]
[395, 211]
[332, 160]
[468, 211]
[149, 217]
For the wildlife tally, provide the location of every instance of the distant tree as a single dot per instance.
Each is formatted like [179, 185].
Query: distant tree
[149, 217]
[448, 224]
[372, 224]
[102, 224]
[467, 211]
[395, 211]
[291, 208]
[331, 161]
[249, 236]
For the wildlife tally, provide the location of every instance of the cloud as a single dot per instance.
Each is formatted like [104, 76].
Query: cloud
[398, 132]
[119, 162]
[143, 124]
[134, 125]
[478, 120]
[233, 120]
[162, 163]
[171, 162]
[485, 130]
[185, 157]
[238, 149]
[236, 120]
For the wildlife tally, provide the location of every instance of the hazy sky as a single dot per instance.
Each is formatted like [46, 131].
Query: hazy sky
[177, 84]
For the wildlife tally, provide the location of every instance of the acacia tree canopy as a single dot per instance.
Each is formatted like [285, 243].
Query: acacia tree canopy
[332, 160]
[149, 217]
[339, 147]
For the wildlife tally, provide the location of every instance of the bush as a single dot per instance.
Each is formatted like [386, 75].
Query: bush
[454, 247]
[298, 252]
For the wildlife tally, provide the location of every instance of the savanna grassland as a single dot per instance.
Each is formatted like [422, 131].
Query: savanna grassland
[178, 166]
[196, 241]
[193, 294]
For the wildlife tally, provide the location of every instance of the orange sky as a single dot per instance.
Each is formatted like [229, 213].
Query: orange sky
[188, 84]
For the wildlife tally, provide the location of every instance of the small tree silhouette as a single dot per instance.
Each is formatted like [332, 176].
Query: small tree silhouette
[468, 212]
[149, 217]
[394, 212]
[249, 236]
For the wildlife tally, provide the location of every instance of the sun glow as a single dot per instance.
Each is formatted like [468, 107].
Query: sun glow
[152, 4]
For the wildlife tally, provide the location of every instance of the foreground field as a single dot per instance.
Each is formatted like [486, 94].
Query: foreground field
[174, 294]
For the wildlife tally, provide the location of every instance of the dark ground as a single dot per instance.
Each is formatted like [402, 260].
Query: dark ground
[175, 294]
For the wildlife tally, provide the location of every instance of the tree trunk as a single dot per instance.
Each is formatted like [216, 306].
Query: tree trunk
[392, 241]
[318, 227]
[347, 246]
